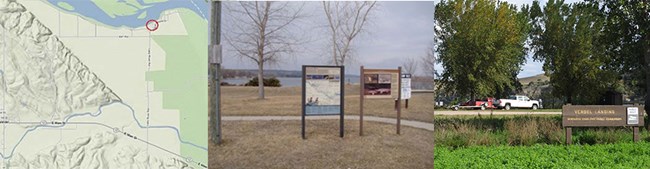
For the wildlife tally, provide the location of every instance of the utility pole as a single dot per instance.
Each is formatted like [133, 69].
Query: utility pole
[434, 110]
[214, 72]
[434, 103]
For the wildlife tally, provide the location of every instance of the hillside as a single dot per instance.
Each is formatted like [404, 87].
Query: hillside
[537, 78]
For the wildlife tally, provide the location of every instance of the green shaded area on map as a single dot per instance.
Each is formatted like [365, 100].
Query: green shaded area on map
[142, 15]
[65, 6]
[184, 81]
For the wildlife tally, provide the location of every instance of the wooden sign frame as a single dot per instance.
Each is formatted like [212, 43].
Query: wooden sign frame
[602, 116]
[395, 91]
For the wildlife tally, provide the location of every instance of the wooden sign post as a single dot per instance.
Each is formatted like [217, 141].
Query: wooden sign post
[601, 116]
[361, 97]
[399, 99]
[214, 73]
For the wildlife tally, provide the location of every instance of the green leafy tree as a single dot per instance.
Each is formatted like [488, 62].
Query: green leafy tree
[565, 38]
[481, 45]
[627, 38]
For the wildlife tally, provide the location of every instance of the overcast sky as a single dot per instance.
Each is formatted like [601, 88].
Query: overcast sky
[399, 30]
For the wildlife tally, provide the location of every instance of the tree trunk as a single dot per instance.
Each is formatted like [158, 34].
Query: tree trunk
[260, 79]
[334, 54]
[569, 98]
[260, 51]
[473, 96]
[647, 71]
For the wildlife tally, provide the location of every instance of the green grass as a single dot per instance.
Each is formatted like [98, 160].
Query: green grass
[534, 141]
[619, 155]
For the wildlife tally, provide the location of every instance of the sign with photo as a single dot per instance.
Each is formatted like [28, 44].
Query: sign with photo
[406, 86]
[323, 90]
[379, 83]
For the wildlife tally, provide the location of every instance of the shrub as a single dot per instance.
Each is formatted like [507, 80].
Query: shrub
[460, 131]
[550, 131]
[270, 82]
[227, 84]
[453, 137]
[602, 135]
[522, 132]
[588, 137]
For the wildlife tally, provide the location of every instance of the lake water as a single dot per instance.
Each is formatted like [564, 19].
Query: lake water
[294, 82]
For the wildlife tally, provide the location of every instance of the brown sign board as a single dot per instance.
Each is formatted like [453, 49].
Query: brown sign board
[601, 115]
[381, 83]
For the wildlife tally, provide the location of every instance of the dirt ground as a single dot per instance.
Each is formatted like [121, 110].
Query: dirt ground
[237, 100]
[278, 144]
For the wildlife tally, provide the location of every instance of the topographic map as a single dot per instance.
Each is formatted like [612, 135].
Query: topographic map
[103, 84]
[322, 90]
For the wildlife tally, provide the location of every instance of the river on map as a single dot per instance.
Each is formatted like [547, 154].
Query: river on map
[153, 10]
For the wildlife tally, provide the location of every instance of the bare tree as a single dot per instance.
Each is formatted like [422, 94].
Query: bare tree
[346, 20]
[410, 65]
[429, 61]
[261, 33]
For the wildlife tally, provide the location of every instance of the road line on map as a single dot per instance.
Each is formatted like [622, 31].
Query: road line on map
[4, 126]
[148, 88]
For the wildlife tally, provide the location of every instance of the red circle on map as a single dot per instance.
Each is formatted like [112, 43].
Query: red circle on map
[153, 27]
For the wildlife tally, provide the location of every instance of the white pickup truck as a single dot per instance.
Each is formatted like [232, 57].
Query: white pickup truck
[518, 101]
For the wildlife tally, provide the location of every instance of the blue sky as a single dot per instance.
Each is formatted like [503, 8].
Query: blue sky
[399, 30]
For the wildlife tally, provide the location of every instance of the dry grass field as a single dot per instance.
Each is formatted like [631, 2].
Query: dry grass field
[278, 144]
[237, 100]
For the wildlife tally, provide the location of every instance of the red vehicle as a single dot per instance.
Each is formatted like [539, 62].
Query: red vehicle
[487, 103]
